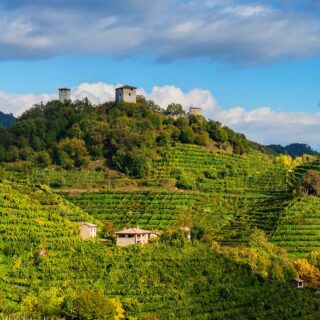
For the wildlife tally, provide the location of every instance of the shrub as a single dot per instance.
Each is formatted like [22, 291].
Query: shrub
[310, 182]
[47, 303]
[211, 173]
[91, 304]
[184, 182]
[42, 159]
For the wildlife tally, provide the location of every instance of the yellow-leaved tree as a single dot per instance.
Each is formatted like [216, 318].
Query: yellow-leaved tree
[308, 272]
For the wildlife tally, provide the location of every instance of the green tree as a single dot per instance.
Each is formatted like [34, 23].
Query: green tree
[92, 304]
[187, 135]
[42, 159]
[174, 109]
[45, 304]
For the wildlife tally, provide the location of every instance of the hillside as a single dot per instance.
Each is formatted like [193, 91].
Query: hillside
[152, 280]
[294, 149]
[134, 166]
[6, 119]
[71, 134]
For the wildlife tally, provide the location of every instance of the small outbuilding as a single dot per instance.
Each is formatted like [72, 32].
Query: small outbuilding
[187, 231]
[131, 236]
[88, 230]
[297, 282]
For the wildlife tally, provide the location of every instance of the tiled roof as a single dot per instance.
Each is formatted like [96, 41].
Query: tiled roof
[88, 224]
[134, 231]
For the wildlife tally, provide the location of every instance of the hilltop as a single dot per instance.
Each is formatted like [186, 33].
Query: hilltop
[6, 119]
[293, 149]
[126, 136]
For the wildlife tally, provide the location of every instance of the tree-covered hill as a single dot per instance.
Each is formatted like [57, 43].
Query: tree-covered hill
[126, 136]
[294, 149]
[6, 119]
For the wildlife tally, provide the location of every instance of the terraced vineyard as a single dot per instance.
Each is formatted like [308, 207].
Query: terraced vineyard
[149, 209]
[299, 171]
[245, 192]
[254, 172]
[29, 216]
[156, 280]
[299, 228]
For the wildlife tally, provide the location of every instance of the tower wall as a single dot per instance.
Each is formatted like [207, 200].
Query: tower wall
[64, 95]
[126, 94]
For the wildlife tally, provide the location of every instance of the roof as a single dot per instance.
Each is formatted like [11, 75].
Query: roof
[88, 224]
[134, 231]
[64, 89]
[126, 87]
[298, 279]
[195, 108]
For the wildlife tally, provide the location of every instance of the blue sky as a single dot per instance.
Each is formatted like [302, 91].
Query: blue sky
[253, 65]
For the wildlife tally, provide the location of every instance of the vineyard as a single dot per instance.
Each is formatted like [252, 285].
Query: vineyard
[30, 216]
[230, 199]
[239, 192]
[221, 172]
[299, 227]
[156, 280]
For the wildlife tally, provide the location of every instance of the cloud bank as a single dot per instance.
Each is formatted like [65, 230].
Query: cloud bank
[261, 124]
[242, 32]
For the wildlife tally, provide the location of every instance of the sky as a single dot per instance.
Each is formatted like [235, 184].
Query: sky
[253, 65]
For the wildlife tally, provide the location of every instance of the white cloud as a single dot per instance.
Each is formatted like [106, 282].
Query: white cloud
[170, 94]
[17, 104]
[97, 93]
[261, 124]
[246, 11]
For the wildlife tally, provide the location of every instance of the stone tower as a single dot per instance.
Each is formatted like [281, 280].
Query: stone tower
[194, 111]
[64, 94]
[126, 94]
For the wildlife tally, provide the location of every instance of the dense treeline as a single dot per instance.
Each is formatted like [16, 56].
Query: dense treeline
[293, 150]
[70, 134]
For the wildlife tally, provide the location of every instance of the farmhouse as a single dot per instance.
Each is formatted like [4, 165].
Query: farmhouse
[88, 230]
[131, 236]
[127, 94]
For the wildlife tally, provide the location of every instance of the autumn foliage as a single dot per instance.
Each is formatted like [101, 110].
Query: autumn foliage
[308, 272]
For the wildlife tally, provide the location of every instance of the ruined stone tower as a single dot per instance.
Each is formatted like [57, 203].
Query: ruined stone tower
[64, 94]
[127, 94]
